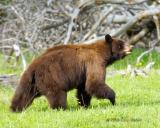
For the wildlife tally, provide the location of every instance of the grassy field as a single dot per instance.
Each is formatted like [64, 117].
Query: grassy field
[138, 104]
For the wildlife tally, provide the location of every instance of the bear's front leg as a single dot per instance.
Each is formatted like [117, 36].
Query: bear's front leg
[95, 85]
[101, 90]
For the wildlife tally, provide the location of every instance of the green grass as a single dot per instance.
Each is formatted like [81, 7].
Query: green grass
[131, 59]
[137, 103]
[12, 67]
[5, 2]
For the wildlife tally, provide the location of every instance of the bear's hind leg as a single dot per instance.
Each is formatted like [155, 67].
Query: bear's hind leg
[83, 98]
[57, 99]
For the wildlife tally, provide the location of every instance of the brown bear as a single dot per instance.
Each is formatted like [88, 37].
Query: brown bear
[65, 67]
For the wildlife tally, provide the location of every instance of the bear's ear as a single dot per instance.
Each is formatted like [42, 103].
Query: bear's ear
[108, 38]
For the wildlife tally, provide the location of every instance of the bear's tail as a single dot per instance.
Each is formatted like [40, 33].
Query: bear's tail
[25, 92]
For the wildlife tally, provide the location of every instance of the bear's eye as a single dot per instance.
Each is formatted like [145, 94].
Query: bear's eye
[120, 47]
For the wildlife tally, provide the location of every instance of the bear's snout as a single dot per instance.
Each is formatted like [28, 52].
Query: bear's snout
[127, 49]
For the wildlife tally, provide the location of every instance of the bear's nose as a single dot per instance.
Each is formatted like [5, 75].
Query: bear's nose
[127, 49]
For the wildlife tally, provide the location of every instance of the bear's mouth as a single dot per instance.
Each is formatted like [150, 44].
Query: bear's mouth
[128, 49]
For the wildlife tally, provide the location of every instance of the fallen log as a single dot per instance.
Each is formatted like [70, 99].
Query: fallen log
[9, 80]
[142, 15]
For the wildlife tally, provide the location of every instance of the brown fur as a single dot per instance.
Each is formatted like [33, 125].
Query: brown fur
[66, 67]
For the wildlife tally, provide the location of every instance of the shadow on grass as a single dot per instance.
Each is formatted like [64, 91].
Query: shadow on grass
[126, 104]
[138, 103]
[124, 120]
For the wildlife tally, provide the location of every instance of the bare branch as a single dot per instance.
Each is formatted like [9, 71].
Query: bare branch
[102, 17]
[73, 17]
[141, 56]
[157, 23]
[131, 22]
[138, 36]
[19, 16]
[146, 52]
[84, 3]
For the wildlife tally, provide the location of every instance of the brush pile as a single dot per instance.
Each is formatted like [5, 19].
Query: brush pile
[38, 24]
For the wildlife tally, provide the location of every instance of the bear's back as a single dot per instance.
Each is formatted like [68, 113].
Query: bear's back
[70, 56]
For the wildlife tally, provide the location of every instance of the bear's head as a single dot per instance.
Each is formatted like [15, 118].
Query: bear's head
[118, 48]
